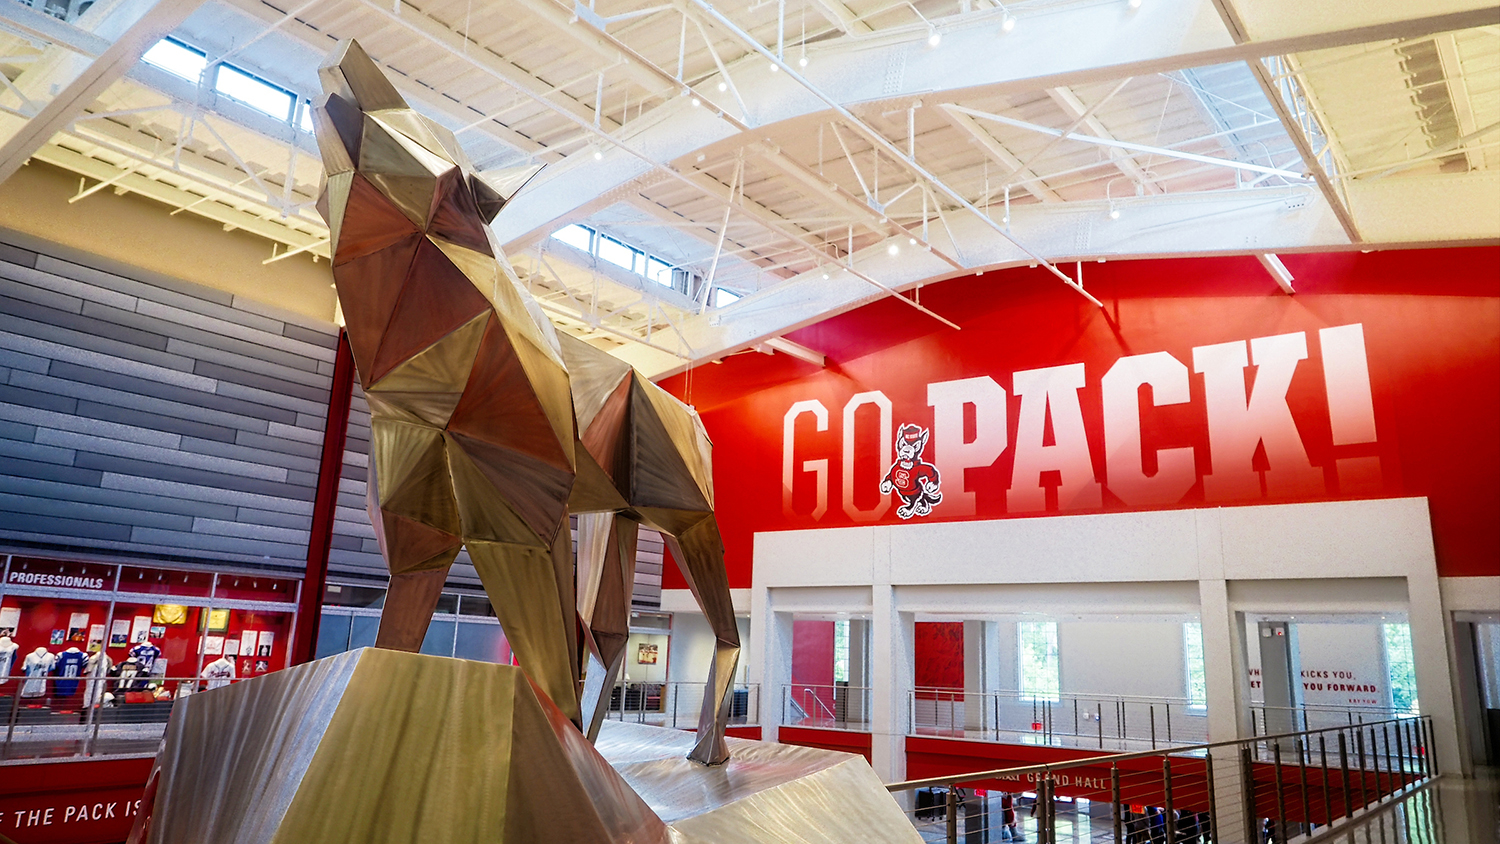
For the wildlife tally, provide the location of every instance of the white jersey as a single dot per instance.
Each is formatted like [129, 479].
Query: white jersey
[219, 673]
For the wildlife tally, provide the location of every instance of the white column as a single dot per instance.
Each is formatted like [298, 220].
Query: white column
[892, 675]
[770, 658]
[1433, 654]
[1228, 696]
[974, 659]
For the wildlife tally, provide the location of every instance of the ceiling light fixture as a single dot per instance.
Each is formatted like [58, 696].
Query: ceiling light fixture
[1135, 4]
[697, 102]
[775, 67]
[911, 241]
[934, 38]
[892, 249]
[802, 61]
[598, 154]
[1114, 212]
[825, 276]
[723, 86]
[1007, 23]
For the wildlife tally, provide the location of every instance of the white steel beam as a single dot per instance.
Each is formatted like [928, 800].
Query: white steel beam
[1277, 270]
[796, 350]
[1173, 225]
[132, 27]
[1074, 108]
[1062, 48]
[1022, 175]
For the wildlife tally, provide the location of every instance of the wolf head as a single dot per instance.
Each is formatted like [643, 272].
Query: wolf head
[373, 142]
[911, 440]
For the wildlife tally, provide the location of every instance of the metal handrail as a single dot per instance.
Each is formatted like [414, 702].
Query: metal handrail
[1095, 761]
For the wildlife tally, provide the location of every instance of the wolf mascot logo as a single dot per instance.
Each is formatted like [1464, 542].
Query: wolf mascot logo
[912, 478]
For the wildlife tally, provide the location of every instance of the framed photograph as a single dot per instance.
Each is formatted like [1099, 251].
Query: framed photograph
[263, 650]
[231, 647]
[58, 637]
[261, 666]
[10, 618]
[217, 620]
[645, 655]
[119, 633]
[213, 645]
[139, 627]
[96, 638]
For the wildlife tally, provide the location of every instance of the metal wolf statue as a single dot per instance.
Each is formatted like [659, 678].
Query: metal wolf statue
[488, 428]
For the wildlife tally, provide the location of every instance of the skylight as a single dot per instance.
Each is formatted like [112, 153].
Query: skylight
[178, 59]
[630, 258]
[256, 93]
[723, 297]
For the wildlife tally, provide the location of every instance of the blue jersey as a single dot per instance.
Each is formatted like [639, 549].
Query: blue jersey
[145, 655]
[69, 667]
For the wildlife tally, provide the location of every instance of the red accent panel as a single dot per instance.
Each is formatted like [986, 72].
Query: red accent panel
[839, 740]
[812, 663]
[744, 732]
[940, 655]
[1431, 327]
[335, 431]
[88, 802]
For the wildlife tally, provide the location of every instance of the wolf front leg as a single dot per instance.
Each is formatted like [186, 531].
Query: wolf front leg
[700, 557]
[606, 579]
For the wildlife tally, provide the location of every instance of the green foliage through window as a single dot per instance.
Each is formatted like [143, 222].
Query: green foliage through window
[1040, 673]
[1197, 679]
[1403, 671]
[841, 651]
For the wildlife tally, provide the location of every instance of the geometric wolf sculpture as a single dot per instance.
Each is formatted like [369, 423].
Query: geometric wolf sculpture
[488, 429]
[381, 746]
[376, 746]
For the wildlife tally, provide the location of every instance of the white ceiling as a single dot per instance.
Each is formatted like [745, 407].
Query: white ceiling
[810, 155]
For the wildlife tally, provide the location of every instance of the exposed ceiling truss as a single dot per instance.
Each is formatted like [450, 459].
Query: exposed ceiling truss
[802, 157]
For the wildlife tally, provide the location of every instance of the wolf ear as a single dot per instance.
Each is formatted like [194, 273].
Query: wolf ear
[925, 435]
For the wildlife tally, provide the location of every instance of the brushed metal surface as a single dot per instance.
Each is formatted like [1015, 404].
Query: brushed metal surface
[473, 396]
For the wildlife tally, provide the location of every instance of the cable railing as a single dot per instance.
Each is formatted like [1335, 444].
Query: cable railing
[1112, 722]
[1278, 719]
[50, 717]
[677, 704]
[836, 707]
[1268, 789]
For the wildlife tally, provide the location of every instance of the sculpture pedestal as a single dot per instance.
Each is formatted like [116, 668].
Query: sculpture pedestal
[376, 746]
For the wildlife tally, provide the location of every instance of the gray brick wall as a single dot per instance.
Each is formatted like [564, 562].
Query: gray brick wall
[158, 419]
[167, 419]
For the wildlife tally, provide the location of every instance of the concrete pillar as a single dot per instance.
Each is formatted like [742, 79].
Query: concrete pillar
[892, 674]
[1278, 677]
[770, 658]
[974, 679]
[1228, 695]
[1433, 654]
[858, 706]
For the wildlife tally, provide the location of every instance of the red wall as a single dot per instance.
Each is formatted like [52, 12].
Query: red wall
[1431, 327]
[812, 662]
[939, 650]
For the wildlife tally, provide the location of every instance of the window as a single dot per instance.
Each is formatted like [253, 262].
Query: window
[723, 297]
[304, 119]
[841, 651]
[617, 253]
[659, 272]
[576, 236]
[1197, 680]
[1402, 668]
[254, 92]
[178, 59]
[1038, 663]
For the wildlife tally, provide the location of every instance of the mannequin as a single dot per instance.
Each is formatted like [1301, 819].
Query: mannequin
[219, 673]
[145, 655]
[36, 666]
[98, 669]
[8, 651]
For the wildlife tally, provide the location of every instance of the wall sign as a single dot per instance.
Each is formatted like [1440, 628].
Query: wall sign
[87, 583]
[1198, 385]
